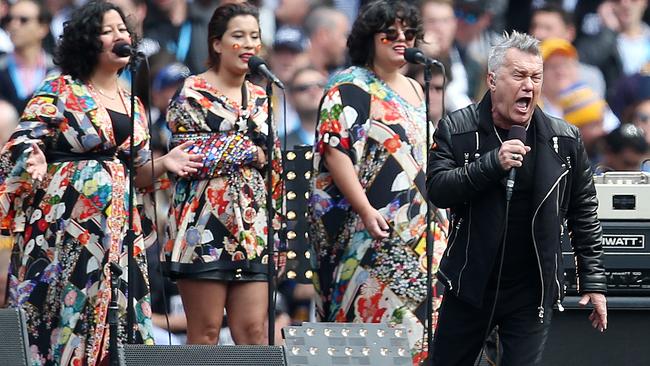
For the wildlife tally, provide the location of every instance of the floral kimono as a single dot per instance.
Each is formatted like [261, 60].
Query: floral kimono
[68, 227]
[360, 279]
[218, 224]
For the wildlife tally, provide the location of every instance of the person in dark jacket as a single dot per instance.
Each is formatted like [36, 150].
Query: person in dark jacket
[502, 266]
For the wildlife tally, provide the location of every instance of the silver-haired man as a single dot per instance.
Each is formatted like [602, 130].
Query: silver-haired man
[502, 266]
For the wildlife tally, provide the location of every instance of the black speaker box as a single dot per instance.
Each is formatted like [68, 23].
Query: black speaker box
[200, 355]
[626, 342]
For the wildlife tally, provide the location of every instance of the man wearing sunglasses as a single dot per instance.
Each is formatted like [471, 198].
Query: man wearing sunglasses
[306, 88]
[22, 70]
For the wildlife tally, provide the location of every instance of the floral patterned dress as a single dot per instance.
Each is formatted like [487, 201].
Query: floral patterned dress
[360, 279]
[67, 228]
[218, 226]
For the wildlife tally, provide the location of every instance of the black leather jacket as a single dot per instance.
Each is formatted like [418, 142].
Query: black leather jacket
[464, 175]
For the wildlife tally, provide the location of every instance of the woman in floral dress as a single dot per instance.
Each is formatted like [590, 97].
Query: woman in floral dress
[64, 196]
[218, 247]
[368, 205]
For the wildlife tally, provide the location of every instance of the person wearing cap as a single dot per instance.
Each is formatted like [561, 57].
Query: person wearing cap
[169, 79]
[501, 266]
[287, 55]
[626, 149]
[561, 75]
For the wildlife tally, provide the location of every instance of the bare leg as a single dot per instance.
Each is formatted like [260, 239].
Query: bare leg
[247, 306]
[204, 302]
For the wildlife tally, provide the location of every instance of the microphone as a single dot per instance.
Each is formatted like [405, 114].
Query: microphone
[416, 56]
[258, 66]
[516, 133]
[124, 49]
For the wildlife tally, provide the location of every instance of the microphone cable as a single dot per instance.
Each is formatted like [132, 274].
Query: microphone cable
[496, 294]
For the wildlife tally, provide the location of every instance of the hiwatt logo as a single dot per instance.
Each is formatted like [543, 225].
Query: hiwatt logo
[624, 241]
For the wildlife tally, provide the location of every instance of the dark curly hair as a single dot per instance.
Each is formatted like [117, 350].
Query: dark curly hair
[375, 17]
[219, 24]
[79, 46]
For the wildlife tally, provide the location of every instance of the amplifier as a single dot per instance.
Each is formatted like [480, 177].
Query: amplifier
[626, 257]
[624, 212]
[623, 195]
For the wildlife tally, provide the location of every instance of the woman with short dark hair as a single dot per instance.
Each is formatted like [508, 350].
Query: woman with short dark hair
[368, 197]
[65, 195]
[218, 246]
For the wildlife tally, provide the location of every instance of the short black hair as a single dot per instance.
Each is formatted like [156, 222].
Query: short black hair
[567, 18]
[79, 46]
[219, 24]
[375, 17]
[626, 136]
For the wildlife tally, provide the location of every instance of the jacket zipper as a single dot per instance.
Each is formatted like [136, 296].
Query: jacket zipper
[559, 290]
[540, 308]
[451, 287]
[469, 234]
[453, 241]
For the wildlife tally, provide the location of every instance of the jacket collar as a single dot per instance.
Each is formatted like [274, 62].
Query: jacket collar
[549, 165]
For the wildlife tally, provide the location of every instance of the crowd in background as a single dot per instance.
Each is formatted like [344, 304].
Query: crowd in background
[596, 73]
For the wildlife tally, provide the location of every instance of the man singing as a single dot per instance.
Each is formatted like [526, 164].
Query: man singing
[502, 266]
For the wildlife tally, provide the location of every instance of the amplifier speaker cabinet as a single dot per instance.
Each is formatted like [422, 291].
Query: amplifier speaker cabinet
[573, 342]
[626, 256]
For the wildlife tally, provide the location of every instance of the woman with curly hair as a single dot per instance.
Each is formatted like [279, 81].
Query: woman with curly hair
[218, 247]
[64, 198]
[368, 203]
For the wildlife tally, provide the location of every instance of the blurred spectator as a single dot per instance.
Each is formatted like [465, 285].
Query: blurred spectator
[439, 22]
[22, 70]
[552, 21]
[136, 13]
[305, 92]
[630, 92]
[293, 12]
[327, 29]
[5, 42]
[60, 11]
[625, 148]
[287, 55]
[8, 120]
[167, 81]
[437, 90]
[288, 52]
[473, 34]
[180, 28]
[641, 117]
[633, 41]
[561, 75]
[584, 109]
[620, 44]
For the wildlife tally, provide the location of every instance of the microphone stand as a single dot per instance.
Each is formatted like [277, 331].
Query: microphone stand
[114, 316]
[270, 213]
[130, 234]
[429, 235]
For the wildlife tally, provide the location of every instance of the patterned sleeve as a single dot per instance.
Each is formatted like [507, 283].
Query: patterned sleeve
[343, 112]
[38, 124]
[142, 137]
[188, 112]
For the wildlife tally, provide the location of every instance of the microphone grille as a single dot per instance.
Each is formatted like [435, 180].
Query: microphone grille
[255, 62]
[517, 132]
[410, 54]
